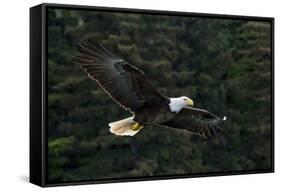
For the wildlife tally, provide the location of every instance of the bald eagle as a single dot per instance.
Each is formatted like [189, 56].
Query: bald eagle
[129, 87]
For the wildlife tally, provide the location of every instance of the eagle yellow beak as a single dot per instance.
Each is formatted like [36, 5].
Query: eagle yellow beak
[189, 102]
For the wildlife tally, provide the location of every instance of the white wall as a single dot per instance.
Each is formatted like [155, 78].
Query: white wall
[14, 84]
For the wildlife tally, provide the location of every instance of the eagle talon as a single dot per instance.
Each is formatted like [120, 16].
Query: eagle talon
[136, 127]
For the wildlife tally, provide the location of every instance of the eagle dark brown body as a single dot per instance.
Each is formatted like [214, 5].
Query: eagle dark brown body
[147, 115]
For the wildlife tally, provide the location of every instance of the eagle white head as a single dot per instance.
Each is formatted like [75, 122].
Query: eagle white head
[176, 104]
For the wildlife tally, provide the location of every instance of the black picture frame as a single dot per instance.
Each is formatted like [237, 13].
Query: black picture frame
[38, 92]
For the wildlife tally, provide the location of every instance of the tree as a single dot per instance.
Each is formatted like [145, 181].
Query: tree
[222, 64]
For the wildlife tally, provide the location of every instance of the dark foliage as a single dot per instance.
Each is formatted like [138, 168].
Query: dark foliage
[223, 65]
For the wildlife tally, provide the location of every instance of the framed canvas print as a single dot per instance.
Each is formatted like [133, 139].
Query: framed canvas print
[126, 95]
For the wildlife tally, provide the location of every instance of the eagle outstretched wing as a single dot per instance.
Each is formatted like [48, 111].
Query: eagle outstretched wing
[197, 121]
[123, 82]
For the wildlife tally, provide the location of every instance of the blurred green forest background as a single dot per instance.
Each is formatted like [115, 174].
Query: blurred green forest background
[224, 65]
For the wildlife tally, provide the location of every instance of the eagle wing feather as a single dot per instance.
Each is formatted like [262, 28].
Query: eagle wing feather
[123, 82]
[197, 121]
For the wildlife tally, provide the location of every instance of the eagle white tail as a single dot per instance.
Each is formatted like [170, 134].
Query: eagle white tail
[123, 127]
